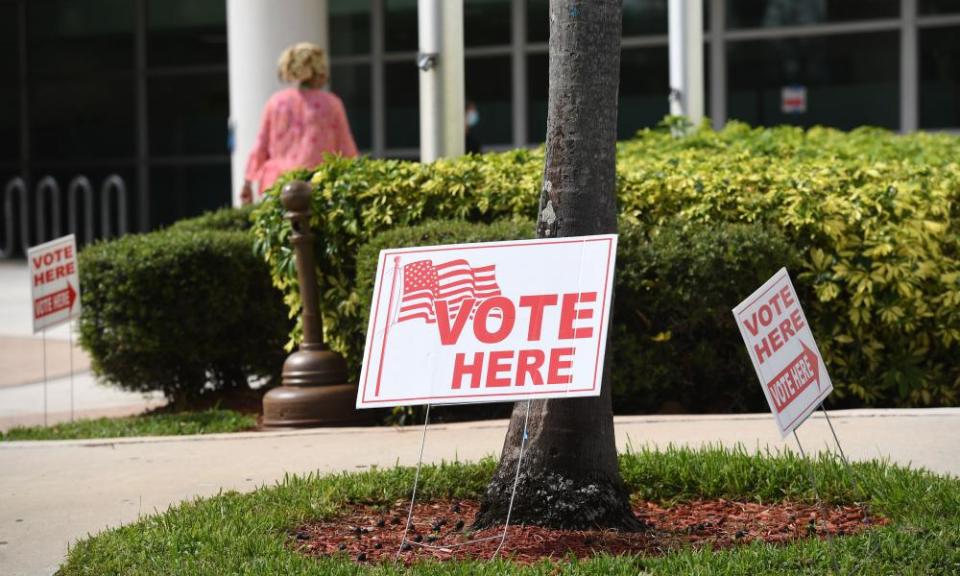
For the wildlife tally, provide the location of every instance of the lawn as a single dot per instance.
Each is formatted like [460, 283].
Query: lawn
[250, 533]
[157, 424]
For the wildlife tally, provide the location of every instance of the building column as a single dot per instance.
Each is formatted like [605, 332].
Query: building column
[257, 32]
[909, 64]
[718, 64]
[685, 25]
[440, 59]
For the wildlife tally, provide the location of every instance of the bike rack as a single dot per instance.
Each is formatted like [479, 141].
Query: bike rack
[47, 188]
[14, 186]
[81, 185]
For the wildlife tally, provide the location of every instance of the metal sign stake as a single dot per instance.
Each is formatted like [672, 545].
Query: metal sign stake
[70, 332]
[44, 332]
[416, 480]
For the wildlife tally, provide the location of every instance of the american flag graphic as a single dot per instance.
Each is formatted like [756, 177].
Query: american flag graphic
[453, 281]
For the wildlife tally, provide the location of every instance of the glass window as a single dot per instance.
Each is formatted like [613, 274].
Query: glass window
[10, 94]
[403, 104]
[486, 22]
[400, 27]
[182, 191]
[846, 81]
[351, 82]
[640, 17]
[82, 118]
[938, 6]
[538, 20]
[538, 89]
[68, 38]
[644, 89]
[769, 13]
[488, 85]
[186, 32]
[188, 114]
[349, 27]
[940, 78]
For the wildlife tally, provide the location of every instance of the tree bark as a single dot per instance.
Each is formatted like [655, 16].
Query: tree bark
[569, 476]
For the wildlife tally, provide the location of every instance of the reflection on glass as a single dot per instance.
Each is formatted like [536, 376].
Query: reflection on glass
[351, 82]
[68, 38]
[488, 85]
[486, 22]
[849, 80]
[644, 86]
[82, 118]
[940, 78]
[349, 27]
[403, 104]
[186, 32]
[768, 13]
[538, 89]
[10, 94]
[181, 191]
[938, 6]
[188, 114]
[400, 28]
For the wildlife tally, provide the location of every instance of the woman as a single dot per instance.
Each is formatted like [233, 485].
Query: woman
[299, 124]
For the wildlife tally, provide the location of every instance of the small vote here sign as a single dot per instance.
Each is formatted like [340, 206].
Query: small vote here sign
[54, 282]
[784, 353]
[492, 322]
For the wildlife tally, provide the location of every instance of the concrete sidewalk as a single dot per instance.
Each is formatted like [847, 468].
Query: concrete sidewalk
[23, 361]
[53, 493]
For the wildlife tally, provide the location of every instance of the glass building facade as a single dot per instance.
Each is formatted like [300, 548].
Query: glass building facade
[139, 88]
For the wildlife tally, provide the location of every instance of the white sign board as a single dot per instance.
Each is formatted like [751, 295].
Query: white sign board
[54, 282]
[784, 353]
[793, 99]
[492, 322]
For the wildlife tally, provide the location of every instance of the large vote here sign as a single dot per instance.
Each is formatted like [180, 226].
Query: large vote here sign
[784, 353]
[54, 282]
[490, 322]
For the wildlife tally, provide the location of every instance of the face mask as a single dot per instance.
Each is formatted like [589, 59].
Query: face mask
[472, 117]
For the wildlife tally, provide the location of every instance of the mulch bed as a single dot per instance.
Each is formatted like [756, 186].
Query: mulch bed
[370, 535]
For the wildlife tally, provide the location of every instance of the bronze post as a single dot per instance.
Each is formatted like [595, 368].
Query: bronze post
[314, 391]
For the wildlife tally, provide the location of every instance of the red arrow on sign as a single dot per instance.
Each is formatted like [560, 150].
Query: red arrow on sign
[53, 303]
[794, 379]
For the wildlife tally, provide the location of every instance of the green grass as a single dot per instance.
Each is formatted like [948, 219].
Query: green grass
[246, 533]
[206, 422]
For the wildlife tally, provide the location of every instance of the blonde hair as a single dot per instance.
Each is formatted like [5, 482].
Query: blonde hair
[303, 62]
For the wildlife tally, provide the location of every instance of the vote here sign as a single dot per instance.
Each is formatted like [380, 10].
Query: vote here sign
[491, 322]
[54, 282]
[784, 353]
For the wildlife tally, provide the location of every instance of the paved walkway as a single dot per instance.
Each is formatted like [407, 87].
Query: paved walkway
[22, 391]
[53, 493]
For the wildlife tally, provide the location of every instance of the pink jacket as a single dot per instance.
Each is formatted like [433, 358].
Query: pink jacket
[297, 128]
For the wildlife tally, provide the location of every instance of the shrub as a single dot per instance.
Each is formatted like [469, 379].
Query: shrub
[226, 219]
[175, 309]
[675, 342]
[872, 215]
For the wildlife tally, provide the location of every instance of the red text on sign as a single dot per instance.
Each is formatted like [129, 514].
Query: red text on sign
[503, 368]
[572, 311]
[779, 319]
[794, 379]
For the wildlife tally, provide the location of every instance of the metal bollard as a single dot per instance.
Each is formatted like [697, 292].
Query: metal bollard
[314, 390]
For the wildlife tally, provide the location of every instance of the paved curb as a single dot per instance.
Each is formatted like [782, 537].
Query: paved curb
[476, 425]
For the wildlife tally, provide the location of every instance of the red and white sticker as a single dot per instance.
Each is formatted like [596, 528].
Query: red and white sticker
[784, 353]
[54, 282]
[491, 322]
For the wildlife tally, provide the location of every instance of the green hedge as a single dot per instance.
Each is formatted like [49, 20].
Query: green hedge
[872, 214]
[671, 324]
[175, 310]
[225, 219]
[676, 346]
